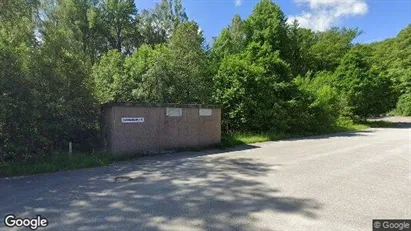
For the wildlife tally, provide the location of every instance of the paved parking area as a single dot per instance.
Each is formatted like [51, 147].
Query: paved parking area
[336, 182]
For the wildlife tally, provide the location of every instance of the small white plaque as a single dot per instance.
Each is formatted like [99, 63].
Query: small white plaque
[130, 120]
[174, 111]
[206, 112]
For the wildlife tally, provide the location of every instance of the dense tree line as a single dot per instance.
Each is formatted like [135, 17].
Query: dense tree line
[61, 59]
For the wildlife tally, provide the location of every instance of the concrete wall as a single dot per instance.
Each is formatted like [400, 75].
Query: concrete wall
[158, 131]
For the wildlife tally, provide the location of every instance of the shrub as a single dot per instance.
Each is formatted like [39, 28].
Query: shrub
[404, 105]
[367, 93]
[252, 99]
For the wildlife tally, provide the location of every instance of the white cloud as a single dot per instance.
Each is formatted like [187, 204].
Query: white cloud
[323, 14]
[238, 2]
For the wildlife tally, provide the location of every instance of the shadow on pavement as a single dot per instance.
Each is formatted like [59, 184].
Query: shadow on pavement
[395, 125]
[390, 122]
[381, 124]
[182, 191]
[333, 135]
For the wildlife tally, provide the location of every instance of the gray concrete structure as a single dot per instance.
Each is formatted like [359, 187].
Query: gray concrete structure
[132, 128]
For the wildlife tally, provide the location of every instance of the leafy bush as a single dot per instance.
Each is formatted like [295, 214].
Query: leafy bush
[404, 105]
[326, 104]
[16, 113]
[251, 99]
[367, 93]
[45, 102]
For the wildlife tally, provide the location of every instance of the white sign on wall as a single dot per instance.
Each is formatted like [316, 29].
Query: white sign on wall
[128, 120]
[174, 111]
[205, 112]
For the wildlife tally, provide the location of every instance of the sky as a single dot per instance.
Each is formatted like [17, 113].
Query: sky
[377, 19]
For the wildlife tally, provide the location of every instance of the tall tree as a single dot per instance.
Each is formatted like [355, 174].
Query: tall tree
[301, 41]
[254, 85]
[17, 133]
[78, 17]
[148, 74]
[267, 27]
[178, 12]
[62, 87]
[392, 57]
[367, 93]
[16, 22]
[17, 44]
[117, 19]
[106, 75]
[189, 64]
[158, 25]
[179, 74]
[231, 39]
[330, 47]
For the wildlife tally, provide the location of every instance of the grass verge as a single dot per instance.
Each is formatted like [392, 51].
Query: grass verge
[238, 138]
[343, 125]
[54, 162]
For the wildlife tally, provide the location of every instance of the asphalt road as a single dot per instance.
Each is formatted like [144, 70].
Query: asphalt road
[335, 182]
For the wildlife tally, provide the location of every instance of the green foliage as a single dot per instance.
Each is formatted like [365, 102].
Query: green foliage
[326, 102]
[342, 125]
[234, 86]
[240, 138]
[367, 93]
[139, 83]
[330, 46]
[118, 24]
[16, 103]
[392, 58]
[251, 98]
[347, 124]
[16, 24]
[46, 97]
[190, 74]
[59, 60]
[64, 104]
[254, 84]
[73, 16]
[404, 105]
[231, 40]
[301, 41]
[177, 73]
[108, 75]
[158, 25]
[266, 27]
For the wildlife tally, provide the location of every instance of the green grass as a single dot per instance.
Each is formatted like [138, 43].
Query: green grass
[238, 138]
[62, 161]
[53, 163]
[56, 162]
[343, 125]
